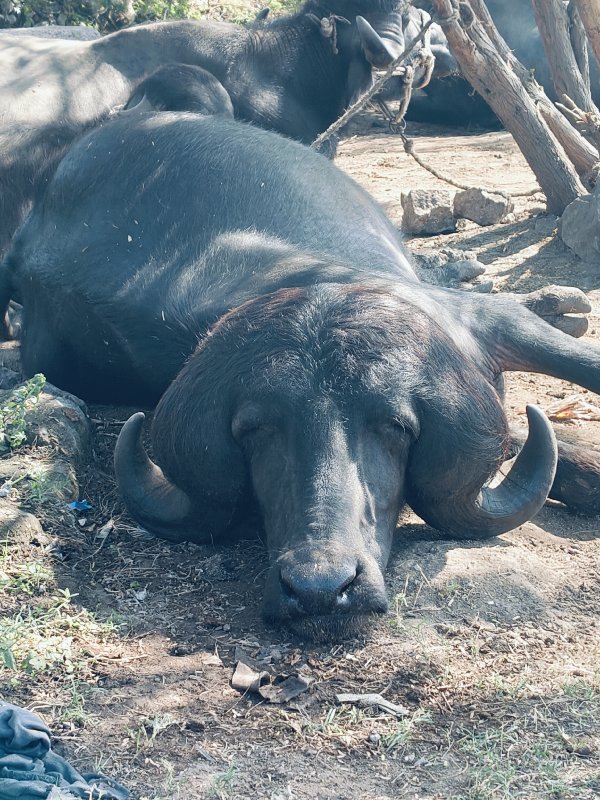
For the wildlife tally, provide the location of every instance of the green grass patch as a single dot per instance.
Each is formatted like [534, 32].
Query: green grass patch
[49, 638]
[14, 409]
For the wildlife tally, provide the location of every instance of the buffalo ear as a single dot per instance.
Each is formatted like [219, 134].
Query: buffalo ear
[377, 52]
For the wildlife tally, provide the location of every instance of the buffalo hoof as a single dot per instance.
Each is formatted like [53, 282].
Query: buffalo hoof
[556, 305]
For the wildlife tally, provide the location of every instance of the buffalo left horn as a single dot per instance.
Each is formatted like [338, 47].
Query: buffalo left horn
[150, 497]
[496, 509]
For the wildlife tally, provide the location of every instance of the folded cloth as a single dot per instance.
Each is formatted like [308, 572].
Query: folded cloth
[29, 770]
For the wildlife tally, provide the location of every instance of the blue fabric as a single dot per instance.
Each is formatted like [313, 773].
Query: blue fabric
[30, 770]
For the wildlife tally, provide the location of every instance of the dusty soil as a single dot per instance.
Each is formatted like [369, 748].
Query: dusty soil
[492, 648]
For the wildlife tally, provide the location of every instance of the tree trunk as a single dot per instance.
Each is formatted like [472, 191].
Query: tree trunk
[582, 154]
[552, 20]
[579, 43]
[486, 70]
[589, 11]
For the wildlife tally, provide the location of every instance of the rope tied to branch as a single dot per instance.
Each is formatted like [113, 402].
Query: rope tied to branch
[396, 122]
[375, 87]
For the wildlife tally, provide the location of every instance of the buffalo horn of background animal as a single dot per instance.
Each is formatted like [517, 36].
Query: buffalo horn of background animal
[379, 53]
[497, 509]
[143, 104]
[149, 496]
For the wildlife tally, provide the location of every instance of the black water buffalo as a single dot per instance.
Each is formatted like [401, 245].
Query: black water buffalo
[434, 44]
[303, 370]
[452, 101]
[295, 74]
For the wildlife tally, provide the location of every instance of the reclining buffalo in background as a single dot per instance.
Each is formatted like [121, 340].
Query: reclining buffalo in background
[294, 75]
[452, 101]
[302, 369]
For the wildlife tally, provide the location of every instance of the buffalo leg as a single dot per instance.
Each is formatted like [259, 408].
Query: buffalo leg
[515, 339]
[577, 481]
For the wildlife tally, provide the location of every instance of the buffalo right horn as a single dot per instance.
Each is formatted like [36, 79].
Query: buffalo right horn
[487, 511]
[150, 497]
[379, 52]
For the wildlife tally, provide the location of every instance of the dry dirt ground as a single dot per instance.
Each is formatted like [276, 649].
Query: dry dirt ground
[126, 645]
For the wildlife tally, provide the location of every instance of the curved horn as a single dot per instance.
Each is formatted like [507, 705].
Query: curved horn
[150, 498]
[495, 510]
[143, 104]
[378, 52]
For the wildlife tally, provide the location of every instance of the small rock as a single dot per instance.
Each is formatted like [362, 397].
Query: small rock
[428, 211]
[481, 207]
[246, 679]
[579, 226]
[17, 526]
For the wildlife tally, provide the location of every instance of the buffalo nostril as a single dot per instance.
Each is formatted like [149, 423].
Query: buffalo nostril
[317, 591]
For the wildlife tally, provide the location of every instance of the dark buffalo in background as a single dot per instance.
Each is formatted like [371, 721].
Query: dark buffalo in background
[303, 370]
[435, 42]
[451, 100]
[294, 75]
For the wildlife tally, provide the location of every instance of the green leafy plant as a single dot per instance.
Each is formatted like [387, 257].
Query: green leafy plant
[12, 413]
[164, 9]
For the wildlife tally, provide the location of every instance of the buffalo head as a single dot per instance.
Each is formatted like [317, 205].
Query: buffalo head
[329, 407]
[378, 22]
